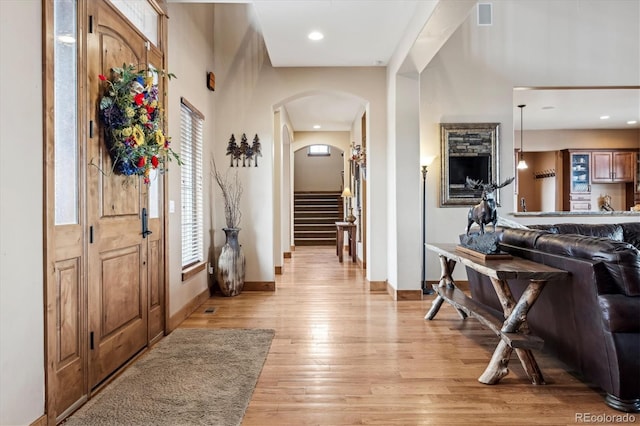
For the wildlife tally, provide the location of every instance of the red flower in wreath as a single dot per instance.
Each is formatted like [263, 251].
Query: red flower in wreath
[142, 161]
[154, 161]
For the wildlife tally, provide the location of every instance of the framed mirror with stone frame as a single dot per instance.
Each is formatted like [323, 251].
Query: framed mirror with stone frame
[468, 150]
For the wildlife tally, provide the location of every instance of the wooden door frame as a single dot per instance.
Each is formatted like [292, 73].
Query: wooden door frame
[49, 227]
[49, 255]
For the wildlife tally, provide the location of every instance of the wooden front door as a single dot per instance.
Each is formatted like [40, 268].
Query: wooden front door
[117, 251]
[105, 283]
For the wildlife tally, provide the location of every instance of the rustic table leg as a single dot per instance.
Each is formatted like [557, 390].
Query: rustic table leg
[340, 244]
[504, 295]
[352, 244]
[516, 321]
[497, 367]
[435, 307]
[446, 266]
[518, 316]
[530, 366]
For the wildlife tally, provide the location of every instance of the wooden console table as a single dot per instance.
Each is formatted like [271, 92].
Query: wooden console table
[349, 227]
[514, 330]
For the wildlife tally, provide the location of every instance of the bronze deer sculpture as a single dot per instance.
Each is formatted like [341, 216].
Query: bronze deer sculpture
[485, 211]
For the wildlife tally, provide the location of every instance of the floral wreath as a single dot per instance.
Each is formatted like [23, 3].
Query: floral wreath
[133, 118]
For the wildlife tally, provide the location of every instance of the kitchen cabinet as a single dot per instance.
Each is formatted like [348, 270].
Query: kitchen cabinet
[576, 180]
[612, 166]
[636, 183]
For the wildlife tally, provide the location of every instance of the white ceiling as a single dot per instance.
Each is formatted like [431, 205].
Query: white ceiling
[333, 112]
[356, 32]
[367, 32]
[579, 108]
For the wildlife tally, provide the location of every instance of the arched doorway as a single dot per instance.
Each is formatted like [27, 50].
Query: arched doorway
[294, 121]
[318, 181]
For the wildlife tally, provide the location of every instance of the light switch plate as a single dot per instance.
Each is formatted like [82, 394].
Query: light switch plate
[172, 206]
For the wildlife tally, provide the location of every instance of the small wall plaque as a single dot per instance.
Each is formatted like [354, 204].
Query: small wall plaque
[211, 81]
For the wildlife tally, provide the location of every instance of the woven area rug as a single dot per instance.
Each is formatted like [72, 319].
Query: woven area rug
[191, 377]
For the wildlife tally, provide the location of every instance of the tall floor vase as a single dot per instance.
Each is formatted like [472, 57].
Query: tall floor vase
[231, 264]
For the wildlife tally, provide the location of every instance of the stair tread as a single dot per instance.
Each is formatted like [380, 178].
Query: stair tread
[320, 216]
[316, 206]
[325, 219]
[315, 215]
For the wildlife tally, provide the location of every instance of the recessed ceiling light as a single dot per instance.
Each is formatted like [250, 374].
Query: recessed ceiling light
[604, 117]
[548, 107]
[316, 126]
[632, 122]
[315, 35]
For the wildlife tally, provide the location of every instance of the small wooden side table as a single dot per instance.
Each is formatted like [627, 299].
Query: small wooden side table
[349, 227]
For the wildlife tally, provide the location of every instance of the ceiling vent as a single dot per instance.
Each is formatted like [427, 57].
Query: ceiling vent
[485, 14]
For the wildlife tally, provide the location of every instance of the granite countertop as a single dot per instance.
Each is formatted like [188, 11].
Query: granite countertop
[570, 214]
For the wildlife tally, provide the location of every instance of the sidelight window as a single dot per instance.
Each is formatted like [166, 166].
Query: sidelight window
[66, 112]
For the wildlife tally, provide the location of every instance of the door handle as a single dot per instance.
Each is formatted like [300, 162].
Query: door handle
[145, 224]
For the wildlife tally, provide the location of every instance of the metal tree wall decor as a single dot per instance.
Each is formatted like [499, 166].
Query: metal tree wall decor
[245, 152]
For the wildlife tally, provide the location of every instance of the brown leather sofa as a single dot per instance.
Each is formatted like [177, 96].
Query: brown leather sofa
[591, 321]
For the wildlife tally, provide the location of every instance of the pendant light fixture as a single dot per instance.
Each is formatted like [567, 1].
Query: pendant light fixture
[521, 164]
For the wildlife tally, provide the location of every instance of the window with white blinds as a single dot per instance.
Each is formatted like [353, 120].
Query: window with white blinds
[191, 123]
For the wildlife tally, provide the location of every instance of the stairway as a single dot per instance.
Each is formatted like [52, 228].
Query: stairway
[314, 218]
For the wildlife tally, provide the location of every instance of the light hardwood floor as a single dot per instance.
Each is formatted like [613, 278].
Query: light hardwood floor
[343, 355]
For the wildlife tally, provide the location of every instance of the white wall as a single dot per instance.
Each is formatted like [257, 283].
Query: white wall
[190, 57]
[531, 43]
[319, 173]
[248, 90]
[404, 147]
[277, 168]
[554, 140]
[286, 208]
[288, 139]
[405, 243]
[21, 206]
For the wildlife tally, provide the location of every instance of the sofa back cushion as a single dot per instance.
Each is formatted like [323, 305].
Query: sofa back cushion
[612, 231]
[521, 237]
[631, 233]
[622, 260]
